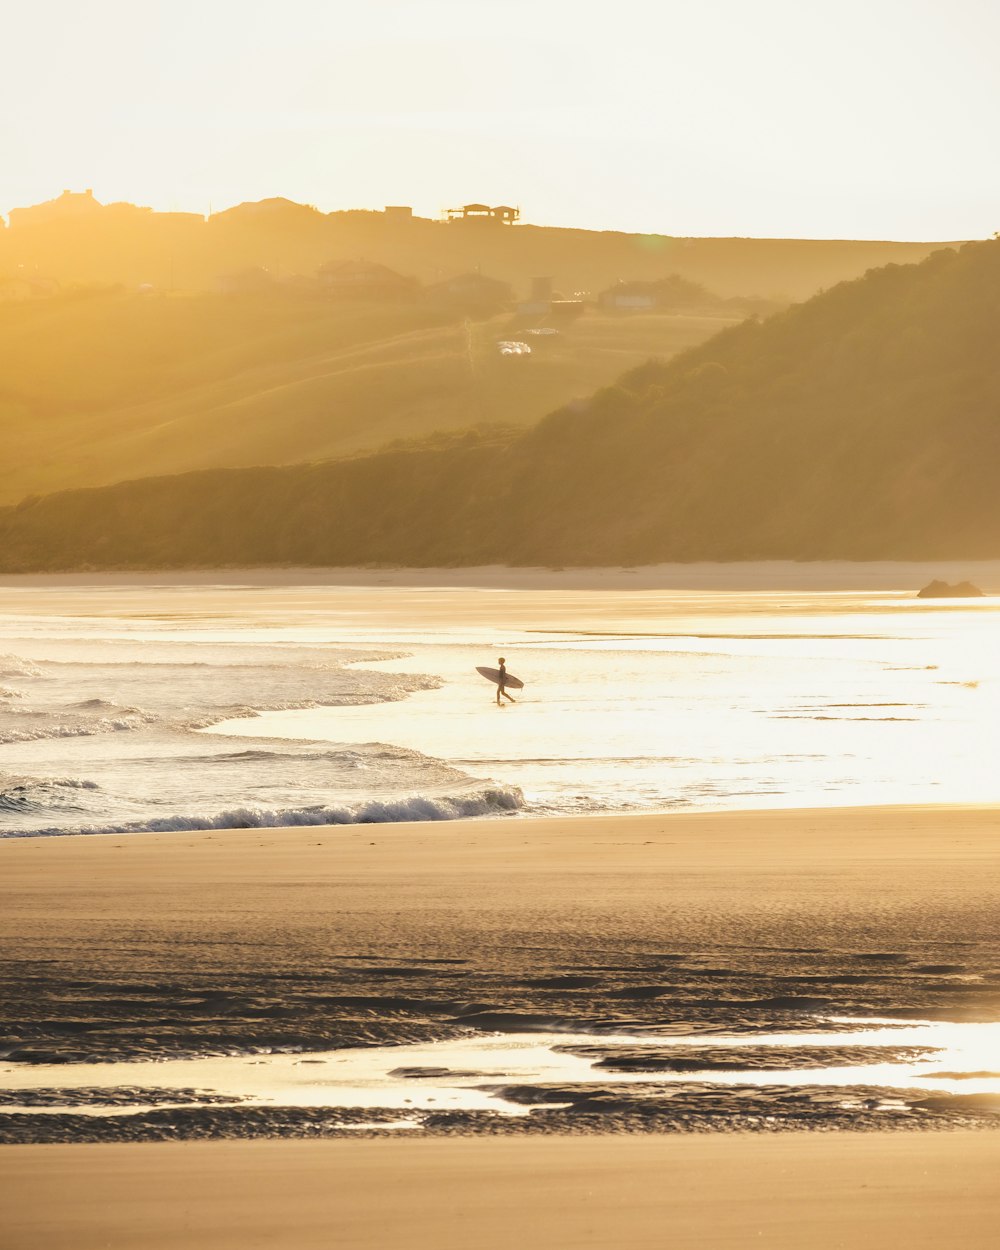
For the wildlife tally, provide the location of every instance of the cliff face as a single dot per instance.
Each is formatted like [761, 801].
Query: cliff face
[863, 424]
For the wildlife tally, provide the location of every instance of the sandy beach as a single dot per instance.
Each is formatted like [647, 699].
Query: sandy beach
[263, 924]
[159, 944]
[580, 1030]
[863, 1191]
[499, 699]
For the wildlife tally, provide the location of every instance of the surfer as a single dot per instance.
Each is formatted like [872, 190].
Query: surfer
[501, 663]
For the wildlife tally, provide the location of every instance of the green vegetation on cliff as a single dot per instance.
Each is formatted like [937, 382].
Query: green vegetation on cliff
[862, 424]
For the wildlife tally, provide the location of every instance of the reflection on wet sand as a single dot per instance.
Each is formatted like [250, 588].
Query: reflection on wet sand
[504, 1074]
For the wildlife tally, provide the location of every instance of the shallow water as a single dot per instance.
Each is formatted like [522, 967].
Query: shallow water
[188, 708]
[493, 1073]
[169, 707]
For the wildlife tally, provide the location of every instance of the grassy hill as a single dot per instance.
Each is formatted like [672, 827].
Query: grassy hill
[863, 424]
[102, 387]
[122, 243]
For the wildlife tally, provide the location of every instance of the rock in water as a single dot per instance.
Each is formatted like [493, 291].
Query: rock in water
[942, 590]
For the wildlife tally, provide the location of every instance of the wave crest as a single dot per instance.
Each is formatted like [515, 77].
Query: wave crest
[87, 729]
[490, 801]
[14, 666]
[35, 794]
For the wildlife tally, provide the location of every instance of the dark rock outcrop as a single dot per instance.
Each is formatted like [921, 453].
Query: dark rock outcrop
[943, 590]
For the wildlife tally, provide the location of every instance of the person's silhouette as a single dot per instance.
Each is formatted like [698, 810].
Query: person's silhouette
[500, 684]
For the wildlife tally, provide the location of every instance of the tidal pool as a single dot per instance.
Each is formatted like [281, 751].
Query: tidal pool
[491, 1072]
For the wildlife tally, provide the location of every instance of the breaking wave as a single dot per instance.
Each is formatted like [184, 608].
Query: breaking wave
[77, 729]
[34, 794]
[14, 666]
[490, 801]
[107, 705]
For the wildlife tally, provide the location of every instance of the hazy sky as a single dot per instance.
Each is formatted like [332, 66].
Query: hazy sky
[854, 118]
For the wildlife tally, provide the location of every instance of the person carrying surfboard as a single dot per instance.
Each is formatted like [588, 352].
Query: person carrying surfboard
[501, 680]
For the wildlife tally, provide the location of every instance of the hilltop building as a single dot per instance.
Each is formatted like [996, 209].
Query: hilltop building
[503, 214]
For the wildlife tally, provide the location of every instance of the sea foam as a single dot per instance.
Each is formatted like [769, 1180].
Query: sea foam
[490, 801]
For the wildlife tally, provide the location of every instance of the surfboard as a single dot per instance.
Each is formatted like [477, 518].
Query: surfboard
[493, 674]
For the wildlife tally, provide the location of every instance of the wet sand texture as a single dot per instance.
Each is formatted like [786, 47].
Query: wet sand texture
[173, 944]
[84, 919]
[863, 1191]
[312, 939]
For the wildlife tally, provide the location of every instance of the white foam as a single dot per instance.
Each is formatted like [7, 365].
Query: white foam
[78, 729]
[14, 666]
[38, 794]
[493, 801]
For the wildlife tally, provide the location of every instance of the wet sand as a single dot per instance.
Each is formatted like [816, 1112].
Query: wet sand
[186, 944]
[195, 943]
[866, 1192]
[170, 944]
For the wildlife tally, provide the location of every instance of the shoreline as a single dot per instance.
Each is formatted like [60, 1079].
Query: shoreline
[912, 817]
[520, 817]
[749, 576]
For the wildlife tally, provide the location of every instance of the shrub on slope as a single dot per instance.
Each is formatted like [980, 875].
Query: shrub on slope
[863, 424]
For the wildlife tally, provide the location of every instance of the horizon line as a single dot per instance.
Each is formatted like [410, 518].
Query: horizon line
[544, 225]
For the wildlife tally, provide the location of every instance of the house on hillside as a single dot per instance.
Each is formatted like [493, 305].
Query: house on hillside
[665, 294]
[71, 204]
[365, 280]
[471, 293]
[630, 296]
[503, 214]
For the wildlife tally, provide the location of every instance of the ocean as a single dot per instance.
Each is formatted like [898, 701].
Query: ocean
[135, 707]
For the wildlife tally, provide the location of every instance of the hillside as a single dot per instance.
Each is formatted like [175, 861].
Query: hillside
[863, 424]
[75, 239]
[101, 387]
